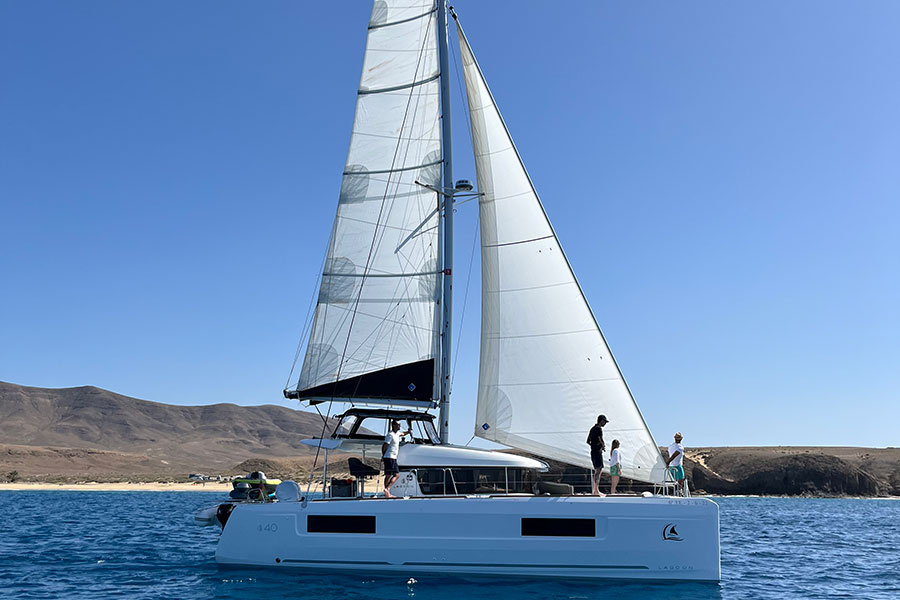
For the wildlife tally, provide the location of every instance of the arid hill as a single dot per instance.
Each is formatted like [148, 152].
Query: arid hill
[90, 433]
[93, 432]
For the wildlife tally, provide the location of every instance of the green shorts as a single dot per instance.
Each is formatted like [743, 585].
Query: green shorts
[677, 473]
[615, 470]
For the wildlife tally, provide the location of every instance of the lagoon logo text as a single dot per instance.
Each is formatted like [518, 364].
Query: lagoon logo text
[670, 534]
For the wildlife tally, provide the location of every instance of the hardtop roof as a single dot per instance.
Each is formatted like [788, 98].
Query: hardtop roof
[386, 413]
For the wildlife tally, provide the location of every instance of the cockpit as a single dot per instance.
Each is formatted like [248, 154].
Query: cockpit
[372, 424]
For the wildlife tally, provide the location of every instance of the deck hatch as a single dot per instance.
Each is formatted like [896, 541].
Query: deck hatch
[340, 524]
[558, 527]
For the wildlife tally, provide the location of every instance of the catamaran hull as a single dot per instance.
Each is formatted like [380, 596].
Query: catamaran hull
[654, 538]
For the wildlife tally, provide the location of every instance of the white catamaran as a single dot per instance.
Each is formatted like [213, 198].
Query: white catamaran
[380, 341]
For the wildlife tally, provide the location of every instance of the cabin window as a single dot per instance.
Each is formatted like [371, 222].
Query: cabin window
[480, 480]
[558, 527]
[435, 482]
[345, 426]
[340, 524]
[374, 426]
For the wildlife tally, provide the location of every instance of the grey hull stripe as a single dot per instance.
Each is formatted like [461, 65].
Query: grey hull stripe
[449, 564]
[524, 566]
[398, 87]
[381, 172]
[379, 26]
[335, 562]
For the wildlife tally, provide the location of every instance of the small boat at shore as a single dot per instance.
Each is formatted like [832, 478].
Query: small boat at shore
[380, 341]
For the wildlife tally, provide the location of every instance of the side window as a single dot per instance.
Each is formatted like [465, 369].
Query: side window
[487, 480]
[464, 480]
[340, 524]
[558, 527]
[345, 426]
[431, 482]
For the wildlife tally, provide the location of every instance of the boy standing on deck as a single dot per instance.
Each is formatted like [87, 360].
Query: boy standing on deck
[674, 464]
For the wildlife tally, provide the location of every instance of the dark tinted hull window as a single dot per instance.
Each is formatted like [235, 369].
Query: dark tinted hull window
[559, 527]
[340, 524]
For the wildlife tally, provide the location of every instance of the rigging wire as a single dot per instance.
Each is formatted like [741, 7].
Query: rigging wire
[307, 321]
[321, 416]
[459, 85]
[462, 317]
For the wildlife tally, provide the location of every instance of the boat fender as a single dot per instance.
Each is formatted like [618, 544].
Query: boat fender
[223, 512]
[287, 491]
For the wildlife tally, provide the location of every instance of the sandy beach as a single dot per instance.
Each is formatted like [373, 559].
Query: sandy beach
[210, 486]
[221, 487]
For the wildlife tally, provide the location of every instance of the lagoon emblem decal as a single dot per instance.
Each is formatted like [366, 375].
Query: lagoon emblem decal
[670, 534]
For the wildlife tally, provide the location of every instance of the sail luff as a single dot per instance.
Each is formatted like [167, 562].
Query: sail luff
[546, 369]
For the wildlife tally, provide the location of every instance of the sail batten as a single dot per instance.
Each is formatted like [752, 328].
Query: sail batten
[430, 164]
[377, 309]
[400, 22]
[546, 371]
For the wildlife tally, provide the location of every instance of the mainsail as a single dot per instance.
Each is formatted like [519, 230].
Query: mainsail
[375, 331]
[546, 371]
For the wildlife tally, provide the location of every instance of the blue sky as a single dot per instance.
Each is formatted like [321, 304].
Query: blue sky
[724, 179]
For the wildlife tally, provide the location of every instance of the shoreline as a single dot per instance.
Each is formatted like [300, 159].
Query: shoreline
[223, 487]
[211, 486]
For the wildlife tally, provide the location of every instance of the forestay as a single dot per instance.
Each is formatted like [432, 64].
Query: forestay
[375, 329]
[546, 371]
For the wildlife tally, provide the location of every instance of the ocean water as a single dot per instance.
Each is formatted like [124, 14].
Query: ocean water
[57, 544]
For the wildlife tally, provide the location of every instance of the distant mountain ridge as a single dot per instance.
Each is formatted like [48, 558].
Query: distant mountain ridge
[91, 433]
[173, 437]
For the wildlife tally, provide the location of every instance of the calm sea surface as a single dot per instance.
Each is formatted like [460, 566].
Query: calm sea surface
[57, 544]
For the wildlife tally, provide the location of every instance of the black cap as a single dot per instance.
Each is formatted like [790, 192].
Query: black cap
[603, 418]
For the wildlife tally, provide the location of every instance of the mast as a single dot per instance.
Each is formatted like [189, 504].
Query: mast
[447, 203]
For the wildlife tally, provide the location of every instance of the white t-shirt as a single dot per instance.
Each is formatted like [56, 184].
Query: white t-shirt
[676, 447]
[392, 439]
[615, 458]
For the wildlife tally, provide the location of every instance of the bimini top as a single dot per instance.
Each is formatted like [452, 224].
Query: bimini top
[387, 413]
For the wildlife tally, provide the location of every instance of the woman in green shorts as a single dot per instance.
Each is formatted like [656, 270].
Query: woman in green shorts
[674, 464]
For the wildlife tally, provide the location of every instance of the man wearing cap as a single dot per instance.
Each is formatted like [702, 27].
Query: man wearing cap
[595, 441]
[674, 463]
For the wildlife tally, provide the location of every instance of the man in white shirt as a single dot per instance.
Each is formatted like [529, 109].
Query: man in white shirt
[389, 451]
[674, 463]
